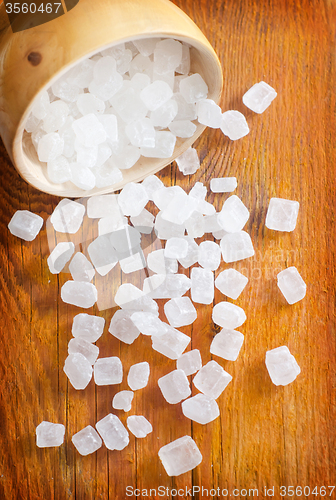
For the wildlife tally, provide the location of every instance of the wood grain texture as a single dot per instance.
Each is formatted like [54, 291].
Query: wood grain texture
[266, 435]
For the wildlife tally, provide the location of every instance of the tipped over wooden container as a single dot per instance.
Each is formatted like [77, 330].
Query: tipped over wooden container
[33, 59]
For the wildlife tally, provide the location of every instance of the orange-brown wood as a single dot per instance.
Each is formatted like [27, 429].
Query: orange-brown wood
[266, 435]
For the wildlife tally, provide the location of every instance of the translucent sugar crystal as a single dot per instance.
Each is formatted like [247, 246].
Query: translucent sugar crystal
[123, 400]
[176, 248]
[41, 105]
[82, 176]
[228, 315]
[148, 323]
[102, 254]
[139, 426]
[259, 97]
[78, 369]
[124, 62]
[89, 131]
[195, 225]
[184, 67]
[85, 156]
[209, 255]
[146, 46]
[107, 81]
[291, 285]
[112, 223]
[171, 344]
[158, 263]
[25, 225]
[49, 434]
[193, 88]
[32, 123]
[81, 74]
[165, 114]
[180, 312]
[88, 327]
[60, 256]
[198, 191]
[174, 386]
[202, 285]
[236, 246]
[227, 344]
[67, 216]
[179, 456]
[58, 112]
[190, 362]
[68, 135]
[59, 170]
[130, 297]
[234, 215]
[156, 94]
[81, 268]
[209, 113]
[282, 214]
[188, 162]
[192, 254]
[182, 128]
[156, 286]
[126, 241]
[200, 408]
[86, 441]
[133, 263]
[167, 55]
[141, 133]
[107, 176]
[223, 184]
[139, 81]
[50, 146]
[113, 432]
[164, 146]
[234, 125]
[89, 351]
[110, 124]
[180, 208]
[128, 104]
[88, 103]
[177, 284]
[151, 185]
[185, 111]
[231, 283]
[138, 376]
[127, 158]
[108, 371]
[123, 328]
[65, 90]
[211, 223]
[132, 199]
[141, 64]
[165, 229]
[79, 293]
[212, 379]
[282, 366]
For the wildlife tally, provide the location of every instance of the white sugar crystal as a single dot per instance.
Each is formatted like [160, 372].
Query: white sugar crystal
[166, 286]
[227, 344]
[163, 197]
[209, 113]
[184, 66]
[139, 426]
[234, 215]
[188, 162]
[78, 369]
[81, 268]
[128, 104]
[174, 386]
[113, 432]
[171, 344]
[223, 184]
[102, 254]
[167, 55]
[49, 434]
[133, 263]
[86, 157]
[32, 123]
[129, 297]
[89, 131]
[86, 441]
[151, 185]
[179, 456]
[148, 323]
[67, 216]
[25, 225]
[195, 225]
[68, 135]
[138, 376]
[79, 293]
[228, 315]
[132, 199]
[212, 379]
[165, 229]
[282, 214]
[282, 366]
[123, 328]
[58, 112]
[108, 371]
[165, 114]
[291, 285]
[88, 327]
[116, 51]
[123, 400]
[66, 90]
[156, 94]
[192, 254]
[190, 362]
[211, 223]
[124, 62]
[59, 170]
[193, 88]
[60, 256]
[144, 222]
[100, 206]
[180, 208]
[234, 125]
[106, 89]
[158, 263]
[103, 154]
[139, 81]
[236, 246]
[202, 285]
[186, 111]
[82, 177]
[81, 74]
[164, 146]
[141, 133]
[112, 223]
[182, 128]
[209, 255]
[146, 46]
[50, 147]
[180, 312]
[259, 97]
[82, 346]
[110, 124]
[198, 191]
[127, 157]
[200, 408]
[126, 241]
[107, 176]
[88, 103]
[231, 283]
[41, 105]
[176, 248]
[141, 64]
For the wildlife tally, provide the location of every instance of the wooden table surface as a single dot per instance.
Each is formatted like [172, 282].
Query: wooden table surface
[266, 436]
